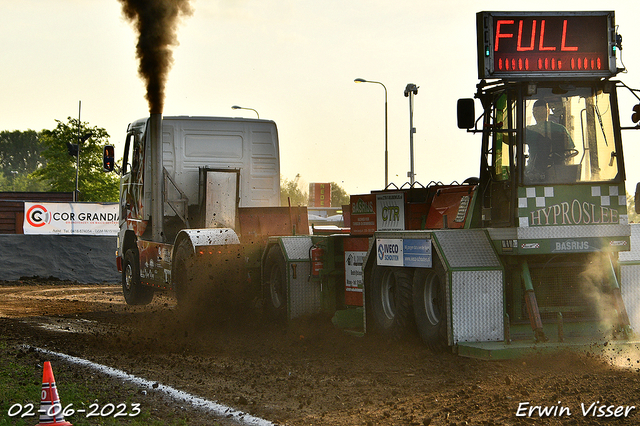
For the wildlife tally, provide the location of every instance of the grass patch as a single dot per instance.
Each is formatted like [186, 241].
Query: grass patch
[104, 400]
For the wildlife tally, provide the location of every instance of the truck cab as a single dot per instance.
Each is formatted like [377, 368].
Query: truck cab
[205, 187]
[551, 155]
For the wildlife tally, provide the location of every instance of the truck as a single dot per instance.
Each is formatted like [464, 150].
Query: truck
[192, 186]
[533, 254]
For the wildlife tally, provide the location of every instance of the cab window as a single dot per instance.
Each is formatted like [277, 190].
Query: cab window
[504, 114]
[569, 137]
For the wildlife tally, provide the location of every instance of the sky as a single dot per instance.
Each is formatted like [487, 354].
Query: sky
[294, 61]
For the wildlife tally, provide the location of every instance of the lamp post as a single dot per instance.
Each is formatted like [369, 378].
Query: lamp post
[81, 139]
[239, 107]
[386, 139]
[14, 173]
[409, 92]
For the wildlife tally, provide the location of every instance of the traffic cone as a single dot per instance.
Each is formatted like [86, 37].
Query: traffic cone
[50, 406]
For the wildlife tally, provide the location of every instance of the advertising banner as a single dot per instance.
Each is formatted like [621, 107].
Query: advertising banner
[71, 218]
[363, 214]
[377, 212]
[390, 211]
[319, 195]
[414, 253]
[355, 250]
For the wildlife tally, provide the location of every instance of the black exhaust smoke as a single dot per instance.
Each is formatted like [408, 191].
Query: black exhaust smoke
[156, 22]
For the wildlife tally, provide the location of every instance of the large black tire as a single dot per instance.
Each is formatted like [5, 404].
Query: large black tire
[390, 296]
[429, 305]
[181, 278]
[274, 290]
[134, 292]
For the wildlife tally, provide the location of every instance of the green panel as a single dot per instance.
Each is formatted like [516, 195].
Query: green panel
[562, 205]
[572, 245]
[580, 336]
[350, 318]
[501, 350]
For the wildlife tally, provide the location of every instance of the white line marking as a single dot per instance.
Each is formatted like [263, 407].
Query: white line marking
[215, 408]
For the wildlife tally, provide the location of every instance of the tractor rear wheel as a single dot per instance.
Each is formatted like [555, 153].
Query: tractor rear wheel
[134, 292]
[275, 284]
[429, 304]
[390, 297]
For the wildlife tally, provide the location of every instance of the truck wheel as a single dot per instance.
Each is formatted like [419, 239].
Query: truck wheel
[275, 285]
[180, 276]
[429, 305]
[134, 292]
[390, 297]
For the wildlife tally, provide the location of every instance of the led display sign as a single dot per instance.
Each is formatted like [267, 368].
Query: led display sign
[546, 44]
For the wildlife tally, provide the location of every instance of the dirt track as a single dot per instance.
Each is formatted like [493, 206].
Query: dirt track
[309, 373]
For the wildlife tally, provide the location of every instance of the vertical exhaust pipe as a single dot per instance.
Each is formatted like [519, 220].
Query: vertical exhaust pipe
[157, 177]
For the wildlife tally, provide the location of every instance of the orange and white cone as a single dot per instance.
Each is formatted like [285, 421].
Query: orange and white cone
[50, 406]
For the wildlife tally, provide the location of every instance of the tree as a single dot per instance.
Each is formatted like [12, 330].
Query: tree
[22, 183]
[290, 189]
[60, 168]
[20, 155]
[339, 196]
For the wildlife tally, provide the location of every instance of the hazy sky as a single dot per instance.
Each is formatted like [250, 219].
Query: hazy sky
[292, 61]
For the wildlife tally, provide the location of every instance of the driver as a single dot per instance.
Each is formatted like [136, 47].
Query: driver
[549, 142]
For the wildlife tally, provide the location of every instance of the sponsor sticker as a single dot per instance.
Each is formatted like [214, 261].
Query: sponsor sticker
[390, 212]
[417, 253]
[389, 252]
[414, 253]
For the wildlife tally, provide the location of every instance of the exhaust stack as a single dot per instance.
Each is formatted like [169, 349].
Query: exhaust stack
[157, 177]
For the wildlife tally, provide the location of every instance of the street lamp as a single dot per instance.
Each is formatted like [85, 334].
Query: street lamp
[81, 139]
[14, 173]
[409, 92]
[74, 150]
[239, 107]
[386, 140]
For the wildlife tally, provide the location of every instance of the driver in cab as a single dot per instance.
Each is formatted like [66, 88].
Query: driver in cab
[549, 143]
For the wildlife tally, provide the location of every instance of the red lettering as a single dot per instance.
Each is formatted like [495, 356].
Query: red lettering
[499, 35]
[564, 46]
[541, 45]
[533, 37]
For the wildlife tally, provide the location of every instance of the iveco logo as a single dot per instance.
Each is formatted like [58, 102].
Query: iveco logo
[391, 250]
